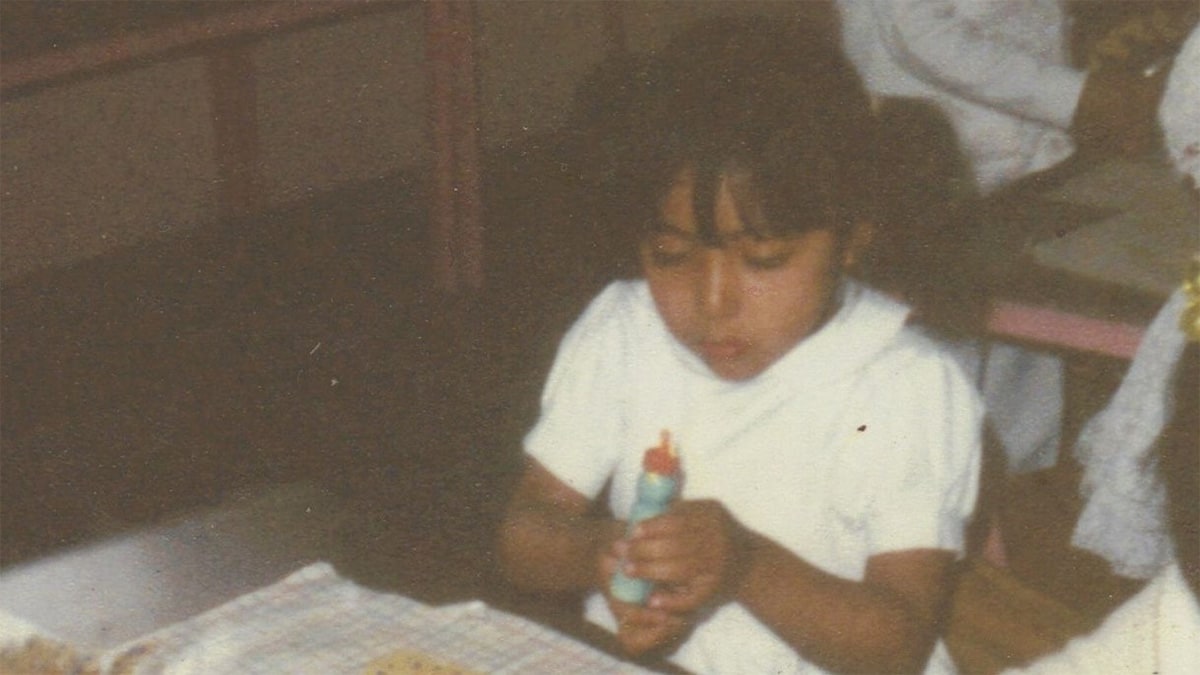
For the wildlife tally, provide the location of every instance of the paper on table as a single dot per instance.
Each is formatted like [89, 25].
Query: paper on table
[314, 621]
[1146, 246]
[15, 631]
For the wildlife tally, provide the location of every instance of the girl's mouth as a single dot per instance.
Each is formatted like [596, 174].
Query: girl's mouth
[722, 350]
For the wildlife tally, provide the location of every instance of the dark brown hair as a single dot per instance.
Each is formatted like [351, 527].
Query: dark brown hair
[773, 101]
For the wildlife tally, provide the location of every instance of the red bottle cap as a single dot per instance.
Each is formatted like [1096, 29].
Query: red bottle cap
[663, 459]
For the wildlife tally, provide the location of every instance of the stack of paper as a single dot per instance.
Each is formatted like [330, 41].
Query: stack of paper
[317, 622]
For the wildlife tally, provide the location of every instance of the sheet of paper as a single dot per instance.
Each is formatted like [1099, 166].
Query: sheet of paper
[15, 631]
[315, 621]
[1146, 245]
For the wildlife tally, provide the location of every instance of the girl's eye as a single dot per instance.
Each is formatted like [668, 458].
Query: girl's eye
[767, 255]
[669, 251]
[661, 258]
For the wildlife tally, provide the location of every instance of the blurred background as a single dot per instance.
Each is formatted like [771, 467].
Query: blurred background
[246, 245]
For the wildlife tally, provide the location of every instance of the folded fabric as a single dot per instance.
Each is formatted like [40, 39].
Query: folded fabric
[1123, 519]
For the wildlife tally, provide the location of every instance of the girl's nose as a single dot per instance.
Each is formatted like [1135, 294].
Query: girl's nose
[718, 285]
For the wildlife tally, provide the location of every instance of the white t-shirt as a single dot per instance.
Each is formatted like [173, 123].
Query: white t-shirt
[1156, 631]
[863, 439]
[997, 68]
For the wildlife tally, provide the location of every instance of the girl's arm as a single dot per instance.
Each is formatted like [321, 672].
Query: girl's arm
[888, 622]
[549, 541]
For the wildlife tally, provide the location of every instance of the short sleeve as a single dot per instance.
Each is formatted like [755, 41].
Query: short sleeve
[580, 402]
[922, 482]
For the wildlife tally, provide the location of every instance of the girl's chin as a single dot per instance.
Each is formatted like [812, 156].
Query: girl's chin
[734, 371]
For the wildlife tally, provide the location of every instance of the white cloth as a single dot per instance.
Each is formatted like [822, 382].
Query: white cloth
[1025, 398]
[1177, 114]
[863, 439]
[1123, 519]
[997, 68]
[1156, 631]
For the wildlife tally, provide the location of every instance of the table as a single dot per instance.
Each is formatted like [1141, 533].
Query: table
[103, 594]
[244, 588]
[1086, 259]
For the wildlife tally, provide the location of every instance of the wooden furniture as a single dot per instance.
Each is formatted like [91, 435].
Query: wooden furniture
[66, 42]
[112, 36]
[1085, 263]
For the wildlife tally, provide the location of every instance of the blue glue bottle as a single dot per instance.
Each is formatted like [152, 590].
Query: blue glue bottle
[656, 487]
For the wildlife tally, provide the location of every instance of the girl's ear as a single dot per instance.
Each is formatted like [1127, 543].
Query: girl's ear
[858, 241]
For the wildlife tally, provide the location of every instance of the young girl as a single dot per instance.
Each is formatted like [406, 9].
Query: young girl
[830, 453]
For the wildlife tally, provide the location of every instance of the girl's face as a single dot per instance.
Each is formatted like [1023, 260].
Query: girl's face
[743, 303]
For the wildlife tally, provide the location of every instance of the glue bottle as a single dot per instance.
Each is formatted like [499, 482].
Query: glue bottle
[656, 487]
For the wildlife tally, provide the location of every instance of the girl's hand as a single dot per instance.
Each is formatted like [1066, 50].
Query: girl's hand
[696, 553]
[642, 629]
[639, 629]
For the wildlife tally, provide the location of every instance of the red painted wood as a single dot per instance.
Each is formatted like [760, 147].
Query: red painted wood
[439, 70]
[1064, 329]
[455, 210]
[234, 95]
[245, 21]
[469, 205]
[614, 26]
